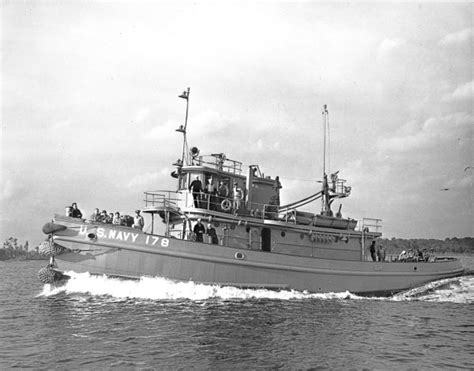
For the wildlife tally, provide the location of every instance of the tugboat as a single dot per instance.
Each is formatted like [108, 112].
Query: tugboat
[223, 227]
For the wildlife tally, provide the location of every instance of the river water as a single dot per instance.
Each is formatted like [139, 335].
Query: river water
[103, 323]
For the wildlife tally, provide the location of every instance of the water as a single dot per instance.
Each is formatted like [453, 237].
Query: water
[98, 322]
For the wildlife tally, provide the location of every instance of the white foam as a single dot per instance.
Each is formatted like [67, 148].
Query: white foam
[453, 290]
[157, 288]
[457, 290]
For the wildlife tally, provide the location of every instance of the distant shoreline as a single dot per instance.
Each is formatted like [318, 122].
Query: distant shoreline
[13, 250]
[20, 258]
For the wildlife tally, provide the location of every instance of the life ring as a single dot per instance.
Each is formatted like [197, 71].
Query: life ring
[226, 205]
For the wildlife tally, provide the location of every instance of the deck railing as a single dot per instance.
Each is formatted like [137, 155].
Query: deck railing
[219, 163]
[165, 199]
[169, 199]
[160, 199]
[370, 225]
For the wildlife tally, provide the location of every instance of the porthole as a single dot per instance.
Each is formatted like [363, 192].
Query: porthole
[247, 229]
[239, 255]
[283, 233]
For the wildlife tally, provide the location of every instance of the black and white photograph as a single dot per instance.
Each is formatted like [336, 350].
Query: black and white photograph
[237, 185]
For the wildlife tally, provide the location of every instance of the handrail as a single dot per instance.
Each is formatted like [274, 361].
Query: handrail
[160, 198]
[182, 202]
[222, 164]
[367, 223]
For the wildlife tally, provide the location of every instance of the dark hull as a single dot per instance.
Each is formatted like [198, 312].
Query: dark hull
[214, 264]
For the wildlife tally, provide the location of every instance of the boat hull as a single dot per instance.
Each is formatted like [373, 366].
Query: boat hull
[148, 255]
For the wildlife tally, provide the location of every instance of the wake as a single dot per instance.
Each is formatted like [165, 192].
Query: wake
[157, 288]
[455, 290]
[452, 290]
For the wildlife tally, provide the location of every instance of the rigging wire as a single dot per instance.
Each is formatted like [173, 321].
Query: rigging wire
[301, 179]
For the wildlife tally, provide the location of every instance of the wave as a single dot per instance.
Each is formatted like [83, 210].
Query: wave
[457, 290]
[452, 290]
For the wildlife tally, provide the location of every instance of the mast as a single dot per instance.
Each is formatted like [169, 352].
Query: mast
[182, 128]
[325, 124]
[325, 207]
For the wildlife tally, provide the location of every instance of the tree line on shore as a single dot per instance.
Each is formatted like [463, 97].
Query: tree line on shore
[12, 249]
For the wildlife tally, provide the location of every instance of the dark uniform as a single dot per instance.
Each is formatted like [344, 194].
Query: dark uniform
[372, 251]
[76, 213]
[196, 188]
[199, 231]
[211, 231]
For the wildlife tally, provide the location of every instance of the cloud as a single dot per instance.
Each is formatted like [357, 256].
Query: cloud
[101, 102]
[7, 189]
[212, 122]
[149, 179]
[462, 92]
[432, 132]
[13, 186]
[457, 38]
[203, 125]
[465, 183]
[141, 115]
[61, 125]
[387, 46]
[162, 132]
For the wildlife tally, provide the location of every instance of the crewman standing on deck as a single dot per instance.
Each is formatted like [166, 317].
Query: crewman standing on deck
[211, 232]
[381, 253]
[196, 188]
[199, 231]
[372, 251]
[238, 195]
[76, 213]
[138, 222]
[95, 215]
[117, 220]
[222, 191]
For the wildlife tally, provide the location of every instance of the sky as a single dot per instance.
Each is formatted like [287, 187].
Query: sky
[90, 104]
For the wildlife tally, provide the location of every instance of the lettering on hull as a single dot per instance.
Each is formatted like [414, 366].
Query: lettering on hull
[117, 235]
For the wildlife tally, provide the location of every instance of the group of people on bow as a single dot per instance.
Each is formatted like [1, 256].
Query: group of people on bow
[417, 255]
[136, 221]
[103, 216]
